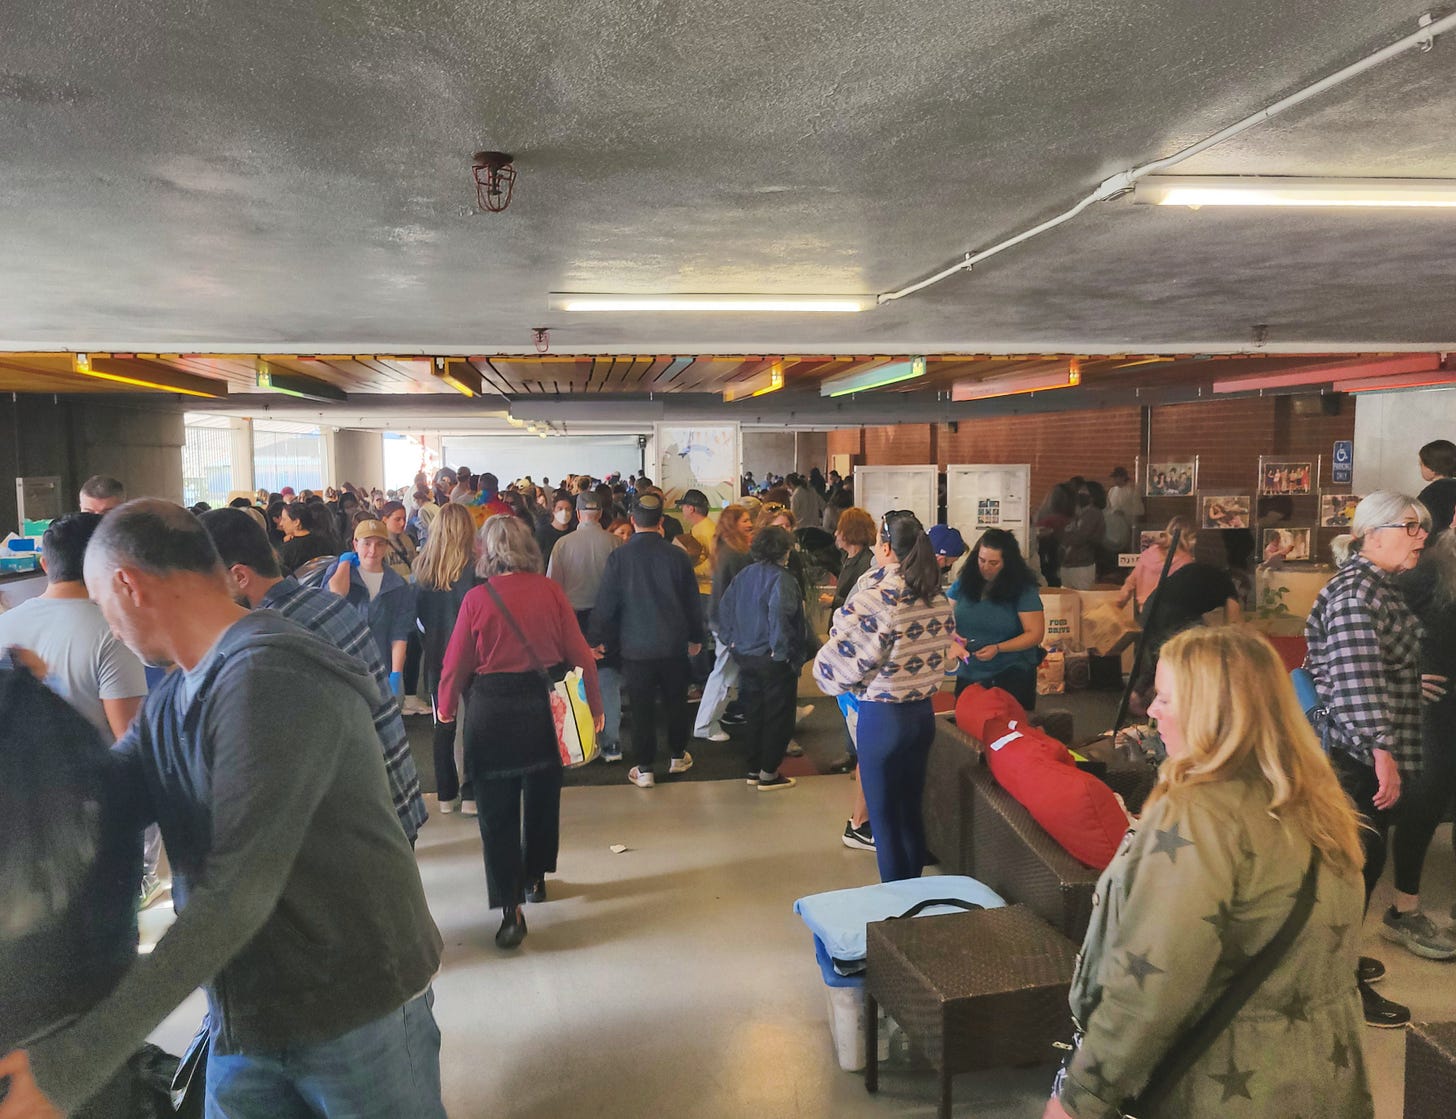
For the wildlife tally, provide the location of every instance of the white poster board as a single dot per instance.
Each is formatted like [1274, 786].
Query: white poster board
[978, 497]
[707, 457]
[878, 489]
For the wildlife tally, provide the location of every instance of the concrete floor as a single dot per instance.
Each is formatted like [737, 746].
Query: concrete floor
[675, 980]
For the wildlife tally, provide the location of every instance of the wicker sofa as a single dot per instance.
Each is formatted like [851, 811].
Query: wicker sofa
[974, 827]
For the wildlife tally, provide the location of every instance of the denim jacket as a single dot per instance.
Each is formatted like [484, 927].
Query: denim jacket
[762, 614]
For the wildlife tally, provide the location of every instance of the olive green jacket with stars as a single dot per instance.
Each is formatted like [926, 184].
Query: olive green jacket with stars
[1194, 891]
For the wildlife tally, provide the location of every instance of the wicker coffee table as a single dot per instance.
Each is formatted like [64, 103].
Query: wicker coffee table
[972, 990]
[1430, 1070]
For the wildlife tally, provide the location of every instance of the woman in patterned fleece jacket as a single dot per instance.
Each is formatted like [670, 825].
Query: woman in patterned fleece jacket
[888, 646]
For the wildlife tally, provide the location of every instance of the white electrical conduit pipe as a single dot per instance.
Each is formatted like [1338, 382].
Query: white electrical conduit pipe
[1124, 180]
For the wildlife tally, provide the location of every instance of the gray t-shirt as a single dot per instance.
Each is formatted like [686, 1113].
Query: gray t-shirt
[85, 660]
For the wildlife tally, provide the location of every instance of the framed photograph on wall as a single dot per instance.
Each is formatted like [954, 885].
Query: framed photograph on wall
[1226, 511]
[1292, 479]
[1171, 479]
[1293, 544]
[1337, 510]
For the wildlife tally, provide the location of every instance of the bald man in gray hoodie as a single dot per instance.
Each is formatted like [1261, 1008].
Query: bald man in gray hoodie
[299, 905]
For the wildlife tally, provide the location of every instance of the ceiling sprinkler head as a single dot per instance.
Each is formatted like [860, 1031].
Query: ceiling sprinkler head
[495, 178]
[541, 338]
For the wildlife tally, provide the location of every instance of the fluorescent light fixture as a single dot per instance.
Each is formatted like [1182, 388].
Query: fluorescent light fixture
[1431, 380]
[305, 388]
[887, 373]
[760, 384]
[1015, 384]
[1336, 373]
[143, 376]
[800, 304]
[461, 376]
[1279, 190]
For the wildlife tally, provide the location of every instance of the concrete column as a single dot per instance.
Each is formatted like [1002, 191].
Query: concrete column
[241, 431]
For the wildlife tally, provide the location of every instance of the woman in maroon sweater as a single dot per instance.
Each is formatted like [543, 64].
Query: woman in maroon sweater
[511, 755]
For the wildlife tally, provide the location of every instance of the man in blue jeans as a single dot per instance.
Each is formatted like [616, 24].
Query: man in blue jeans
[299, 905]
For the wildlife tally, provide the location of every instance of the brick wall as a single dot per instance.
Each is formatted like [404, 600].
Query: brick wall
[1226, 436]
[1057, 445]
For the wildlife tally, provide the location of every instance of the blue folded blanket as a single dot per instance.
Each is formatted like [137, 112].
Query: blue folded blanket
[838, 918]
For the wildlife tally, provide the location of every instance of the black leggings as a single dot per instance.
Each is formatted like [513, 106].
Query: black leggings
[447, 777]
[1360, 784]
[1424, 801]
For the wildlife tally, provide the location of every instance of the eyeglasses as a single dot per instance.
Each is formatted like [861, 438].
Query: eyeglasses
[1412, 528]
[772, 507]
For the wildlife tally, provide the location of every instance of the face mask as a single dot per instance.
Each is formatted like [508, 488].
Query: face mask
[562, 516]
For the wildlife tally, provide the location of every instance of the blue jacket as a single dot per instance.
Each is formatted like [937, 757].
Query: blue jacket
[762, 614]
[390, 614]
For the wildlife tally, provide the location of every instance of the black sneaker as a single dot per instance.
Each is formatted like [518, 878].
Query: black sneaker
[512, 930]
[860, 838]
[1370, 970]
[1381, 1012]
[777, 781]
[732, 719]
[845, 763]
[753, 777]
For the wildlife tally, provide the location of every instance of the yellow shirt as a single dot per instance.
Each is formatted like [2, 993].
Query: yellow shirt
[703, 532]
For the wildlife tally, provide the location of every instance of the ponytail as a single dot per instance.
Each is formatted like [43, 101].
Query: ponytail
[912, 548]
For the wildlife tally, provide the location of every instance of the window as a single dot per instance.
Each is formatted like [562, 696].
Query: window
[207, 473]
[287, 454]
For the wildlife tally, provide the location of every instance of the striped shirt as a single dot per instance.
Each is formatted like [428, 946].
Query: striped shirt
[883, 645]
[1364, 656]
[338, 624]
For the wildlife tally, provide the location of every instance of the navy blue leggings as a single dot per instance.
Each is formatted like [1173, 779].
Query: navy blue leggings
[894, 751]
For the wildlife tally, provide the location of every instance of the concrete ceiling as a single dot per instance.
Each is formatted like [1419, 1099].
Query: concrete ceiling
[294, 178]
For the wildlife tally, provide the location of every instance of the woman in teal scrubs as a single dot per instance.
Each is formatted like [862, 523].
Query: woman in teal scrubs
[998, 614]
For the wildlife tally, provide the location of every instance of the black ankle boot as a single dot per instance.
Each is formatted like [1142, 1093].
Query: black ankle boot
[513, 928]
[536, 891]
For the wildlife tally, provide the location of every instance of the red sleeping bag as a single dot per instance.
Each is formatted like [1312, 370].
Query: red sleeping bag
[1073, 807]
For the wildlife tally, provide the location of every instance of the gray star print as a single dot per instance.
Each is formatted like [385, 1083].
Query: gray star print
[1167, 841]
[1140, 967]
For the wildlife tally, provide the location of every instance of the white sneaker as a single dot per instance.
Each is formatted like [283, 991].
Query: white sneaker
[682, 764]
[640, 779]
[719, 735]
[803, 712]
[413, 705]
[467, 808]
[449, 806]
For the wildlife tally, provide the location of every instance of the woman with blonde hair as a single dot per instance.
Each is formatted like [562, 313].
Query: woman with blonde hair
[444, 571]
[1145, 576]
[1247, 841]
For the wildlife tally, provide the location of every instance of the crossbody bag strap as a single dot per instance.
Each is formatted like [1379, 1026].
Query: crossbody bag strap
[516, 629]
[1186, 1051]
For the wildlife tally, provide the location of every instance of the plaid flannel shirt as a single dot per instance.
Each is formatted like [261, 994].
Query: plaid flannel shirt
[1364, 656]
[338, 624]
[884, 646]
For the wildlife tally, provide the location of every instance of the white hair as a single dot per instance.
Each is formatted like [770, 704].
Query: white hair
[1383, 507]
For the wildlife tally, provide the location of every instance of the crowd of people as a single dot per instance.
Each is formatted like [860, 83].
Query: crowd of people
[470, 601]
